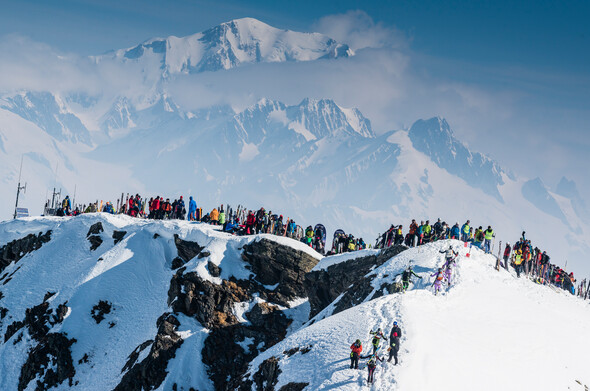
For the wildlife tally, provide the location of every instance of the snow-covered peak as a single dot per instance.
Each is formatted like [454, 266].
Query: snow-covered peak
[231, 44]
[435, 138]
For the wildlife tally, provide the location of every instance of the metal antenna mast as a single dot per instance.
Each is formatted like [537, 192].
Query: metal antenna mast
[19, 187]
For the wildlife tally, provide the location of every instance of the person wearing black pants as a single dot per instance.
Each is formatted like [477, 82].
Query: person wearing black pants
[394, 337]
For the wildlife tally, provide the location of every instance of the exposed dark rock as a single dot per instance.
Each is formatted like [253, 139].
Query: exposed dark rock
[293, 387]
[186, 250]
[3, 312]
[132, 359]
[324, 286]
[95, 242]
[213, 304]
[151, 372]
[214, 270]
[177, 262]
[99, 310]
[51, 361]
[118, 236]
[18, 248]
[273, 263]
[84, 359]
[95, 229]
[303, 350]
[156, 235]
[48, 296]
[38, 320]
[112, 324]
[267, 375]
[203, 254]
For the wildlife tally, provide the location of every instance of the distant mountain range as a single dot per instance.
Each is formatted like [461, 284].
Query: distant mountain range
[315, 161]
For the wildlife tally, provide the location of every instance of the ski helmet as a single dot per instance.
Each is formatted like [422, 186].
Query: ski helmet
[358, 342]
[395, 323]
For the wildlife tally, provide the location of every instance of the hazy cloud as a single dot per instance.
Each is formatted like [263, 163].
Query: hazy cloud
[359, 31]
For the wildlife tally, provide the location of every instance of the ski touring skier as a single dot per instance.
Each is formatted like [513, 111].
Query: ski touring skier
[438, 279]
[355, 354]
[394, 337]
[376, 341]
[371, 365]
[407, 276]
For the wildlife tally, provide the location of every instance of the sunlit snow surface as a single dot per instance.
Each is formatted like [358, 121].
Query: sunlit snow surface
[489, 331]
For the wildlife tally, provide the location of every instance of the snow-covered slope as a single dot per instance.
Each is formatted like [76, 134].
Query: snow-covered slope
[101, 302]
[100, 288]
[488, 331]
[231, 44]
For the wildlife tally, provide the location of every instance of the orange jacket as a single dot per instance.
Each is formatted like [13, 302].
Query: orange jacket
[356, 348]
[214, 215]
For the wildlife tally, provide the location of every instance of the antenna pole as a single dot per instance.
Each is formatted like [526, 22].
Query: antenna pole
[19, 187]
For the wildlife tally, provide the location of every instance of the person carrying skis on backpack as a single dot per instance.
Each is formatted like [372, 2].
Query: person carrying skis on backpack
[376, 341]
[357, 349]
[407, 276]
[394, 337]
[449, 254]
[371, 365]
[438, 279]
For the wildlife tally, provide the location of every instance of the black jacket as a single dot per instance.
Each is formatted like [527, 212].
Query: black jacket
[397, 330]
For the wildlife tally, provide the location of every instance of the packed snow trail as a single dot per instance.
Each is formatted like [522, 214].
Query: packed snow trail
[489, 331]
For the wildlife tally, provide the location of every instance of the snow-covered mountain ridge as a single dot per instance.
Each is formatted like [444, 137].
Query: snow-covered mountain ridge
[120, 303]
[231, 44]
[315, 160]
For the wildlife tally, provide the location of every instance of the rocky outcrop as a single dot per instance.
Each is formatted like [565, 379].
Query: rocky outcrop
[324, 286]
[118, 236]
[186, 251]
[278, 274]
[267, 375]
[93, 235]
[151, 372]
[50, 360]
[15, 250]
[100, 310]
[274, 264]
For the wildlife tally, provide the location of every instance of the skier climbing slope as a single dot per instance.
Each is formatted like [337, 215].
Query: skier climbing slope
[463, 340]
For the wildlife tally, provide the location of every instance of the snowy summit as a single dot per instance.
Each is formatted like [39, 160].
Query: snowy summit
[231, 44]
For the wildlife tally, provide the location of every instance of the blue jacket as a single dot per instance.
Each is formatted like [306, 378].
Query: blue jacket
[455, 231]
[192, 206]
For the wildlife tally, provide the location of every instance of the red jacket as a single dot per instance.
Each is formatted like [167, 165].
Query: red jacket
[251, 220]
[358, 349]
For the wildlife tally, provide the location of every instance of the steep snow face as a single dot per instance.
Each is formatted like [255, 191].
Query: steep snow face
[536, 192]
[232, 44]
[132, 274]
[487, 331]
[435, 138]
[48, 112]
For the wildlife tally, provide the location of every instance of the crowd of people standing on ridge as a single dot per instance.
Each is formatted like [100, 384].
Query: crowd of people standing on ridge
[241, 221]
[426, 233]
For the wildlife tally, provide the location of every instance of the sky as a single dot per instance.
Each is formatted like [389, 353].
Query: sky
[512, 78]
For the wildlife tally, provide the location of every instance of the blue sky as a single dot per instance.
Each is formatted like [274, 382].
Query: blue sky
[523, 66]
